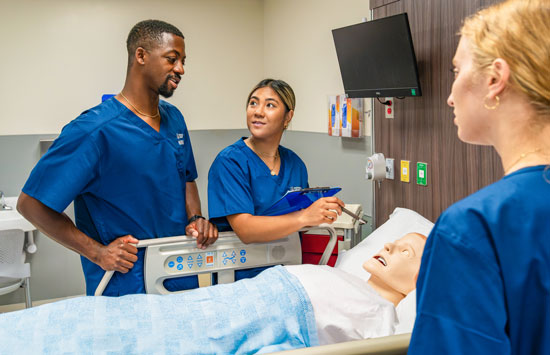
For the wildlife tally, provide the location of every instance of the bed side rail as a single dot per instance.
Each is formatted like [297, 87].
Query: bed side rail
[389, 345]
[178, 256]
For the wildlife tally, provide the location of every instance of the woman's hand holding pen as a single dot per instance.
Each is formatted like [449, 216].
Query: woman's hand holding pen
[324, 210]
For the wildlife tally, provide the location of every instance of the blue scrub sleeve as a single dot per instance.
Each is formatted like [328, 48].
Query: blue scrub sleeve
[229, 190]
[460, 298]
[190, 165]
[65, 170]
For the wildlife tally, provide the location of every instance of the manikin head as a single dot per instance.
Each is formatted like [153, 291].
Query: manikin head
[156, 55]
[394, 269]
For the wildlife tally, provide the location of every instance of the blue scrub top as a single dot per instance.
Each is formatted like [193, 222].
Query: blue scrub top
[484, 282]
[240, 182]
[124, 177]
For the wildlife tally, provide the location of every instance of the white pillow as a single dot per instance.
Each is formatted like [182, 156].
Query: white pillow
[406, 313]
[401, 222]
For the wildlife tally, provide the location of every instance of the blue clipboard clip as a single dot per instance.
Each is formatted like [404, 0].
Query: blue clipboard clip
[297, 199]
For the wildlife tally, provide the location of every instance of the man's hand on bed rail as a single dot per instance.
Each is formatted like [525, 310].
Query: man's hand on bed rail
[324, 210]
[205, 232]
[120, 255]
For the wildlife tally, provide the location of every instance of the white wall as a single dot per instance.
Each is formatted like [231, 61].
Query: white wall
[59, 56]
[298, 48]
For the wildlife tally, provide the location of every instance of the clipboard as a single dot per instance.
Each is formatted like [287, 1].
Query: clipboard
[295, 200]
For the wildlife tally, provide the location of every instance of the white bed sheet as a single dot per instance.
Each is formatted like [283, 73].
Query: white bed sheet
[346, 308]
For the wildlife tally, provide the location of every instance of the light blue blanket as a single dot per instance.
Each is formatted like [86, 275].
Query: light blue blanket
[268, 313]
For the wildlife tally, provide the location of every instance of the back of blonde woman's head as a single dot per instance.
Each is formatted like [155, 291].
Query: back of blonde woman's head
[517, 31]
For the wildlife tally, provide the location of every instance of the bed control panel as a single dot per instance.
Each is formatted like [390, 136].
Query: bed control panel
[175, 259]
[178, 264]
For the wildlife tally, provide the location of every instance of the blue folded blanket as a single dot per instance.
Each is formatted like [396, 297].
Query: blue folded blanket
[270, 312]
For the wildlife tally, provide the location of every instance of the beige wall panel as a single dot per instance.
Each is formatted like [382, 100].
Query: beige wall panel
[58, 57]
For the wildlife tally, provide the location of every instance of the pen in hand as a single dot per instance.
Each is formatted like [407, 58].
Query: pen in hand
[360, 219]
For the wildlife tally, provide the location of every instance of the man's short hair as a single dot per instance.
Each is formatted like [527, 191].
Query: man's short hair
[148, 34]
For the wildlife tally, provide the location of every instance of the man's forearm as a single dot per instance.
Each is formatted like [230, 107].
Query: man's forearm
[192, 200]
[57, 226]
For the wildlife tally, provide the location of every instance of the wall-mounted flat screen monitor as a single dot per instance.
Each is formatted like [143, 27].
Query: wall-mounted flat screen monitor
[377, 58]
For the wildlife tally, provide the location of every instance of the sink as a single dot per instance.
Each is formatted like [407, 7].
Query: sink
[12, 219]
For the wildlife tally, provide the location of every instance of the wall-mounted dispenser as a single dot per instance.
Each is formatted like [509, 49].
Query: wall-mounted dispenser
[376, 167]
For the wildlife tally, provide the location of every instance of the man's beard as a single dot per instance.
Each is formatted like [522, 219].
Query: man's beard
[165, 90]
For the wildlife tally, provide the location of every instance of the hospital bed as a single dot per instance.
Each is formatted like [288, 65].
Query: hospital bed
[229, 254]
[401, 222]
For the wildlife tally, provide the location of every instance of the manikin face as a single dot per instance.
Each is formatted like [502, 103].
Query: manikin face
[398, 263]
[467, 95]
[165, 64]
[266, 114]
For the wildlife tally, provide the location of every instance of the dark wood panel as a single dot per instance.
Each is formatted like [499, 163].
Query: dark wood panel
[423, 128]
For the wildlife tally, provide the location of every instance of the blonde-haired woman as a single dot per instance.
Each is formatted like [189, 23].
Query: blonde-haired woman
[484, 283]
[250, 175]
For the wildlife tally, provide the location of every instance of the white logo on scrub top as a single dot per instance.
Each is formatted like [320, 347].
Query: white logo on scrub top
[180, 140]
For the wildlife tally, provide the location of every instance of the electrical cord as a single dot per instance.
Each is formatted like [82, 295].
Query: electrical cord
[388, 102]
[383, 103]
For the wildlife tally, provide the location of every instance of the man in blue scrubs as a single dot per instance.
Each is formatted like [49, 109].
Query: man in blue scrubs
[128, 166]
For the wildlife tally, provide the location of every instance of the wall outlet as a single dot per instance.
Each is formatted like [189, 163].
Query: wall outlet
[389, 169]
[389, 107]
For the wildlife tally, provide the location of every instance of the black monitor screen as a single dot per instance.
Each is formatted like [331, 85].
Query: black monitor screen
[377, 58]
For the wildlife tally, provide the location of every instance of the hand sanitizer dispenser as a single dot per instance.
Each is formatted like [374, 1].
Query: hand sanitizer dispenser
[376, 167]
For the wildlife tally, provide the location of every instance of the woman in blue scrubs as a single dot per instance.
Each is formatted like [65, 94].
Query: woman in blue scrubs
[484, 283]
[250, 175]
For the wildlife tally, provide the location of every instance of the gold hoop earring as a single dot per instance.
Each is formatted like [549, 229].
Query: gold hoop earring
[497, 102]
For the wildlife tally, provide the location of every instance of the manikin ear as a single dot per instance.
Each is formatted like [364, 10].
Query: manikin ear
[498, 78]
[139, 55]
